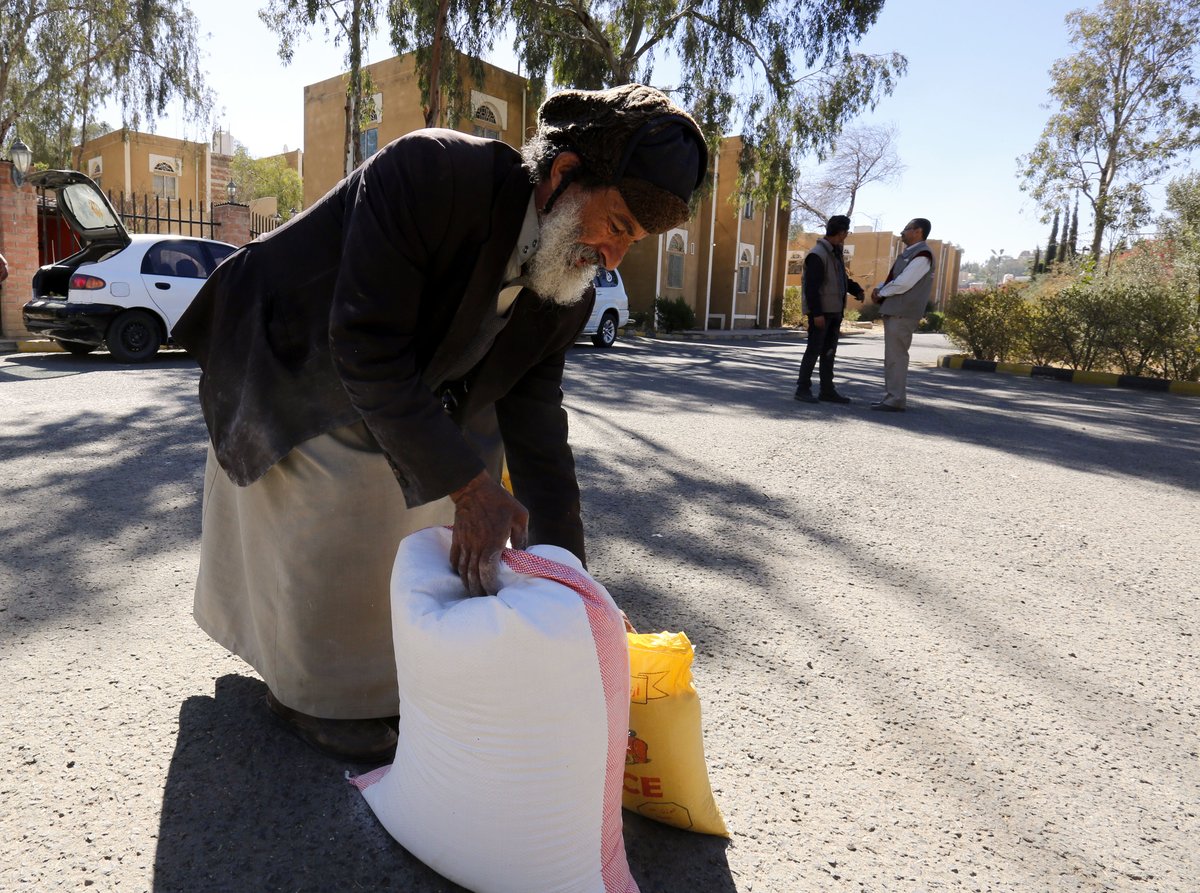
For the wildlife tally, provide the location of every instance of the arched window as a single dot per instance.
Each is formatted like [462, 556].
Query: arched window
[486, 123]
[676, 246]
[744, 262]
[165, 180]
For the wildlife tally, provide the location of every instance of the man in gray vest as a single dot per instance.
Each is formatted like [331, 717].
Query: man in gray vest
[825, 287]
[904, 296]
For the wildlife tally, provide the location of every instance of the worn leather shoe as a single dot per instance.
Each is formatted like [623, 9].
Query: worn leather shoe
[887, 407]
[356, 740]
[832, 397]
[804, 396]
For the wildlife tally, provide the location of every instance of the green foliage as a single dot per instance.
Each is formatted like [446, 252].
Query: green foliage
[62, 59]
[782, 74]
[265, 177]
[792, 314]
[1125, 110]
[851, 315]
[986, 323]
[1142, 319]
[933, 321]
[674, 315]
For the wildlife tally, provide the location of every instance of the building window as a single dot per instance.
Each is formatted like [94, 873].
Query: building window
[486, 124]
[165, 181]
[675, 250]
[368, 142]
[748, 209]
[743, 281]
[795, 263]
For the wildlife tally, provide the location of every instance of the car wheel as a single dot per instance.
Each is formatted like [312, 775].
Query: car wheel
[76, 347]
[133, 337]
[606, 332]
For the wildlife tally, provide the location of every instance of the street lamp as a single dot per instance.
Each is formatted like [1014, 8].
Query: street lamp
[231, 188]
[21, 157]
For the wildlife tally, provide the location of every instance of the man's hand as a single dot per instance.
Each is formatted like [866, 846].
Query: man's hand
[486, 516]
[818, 321]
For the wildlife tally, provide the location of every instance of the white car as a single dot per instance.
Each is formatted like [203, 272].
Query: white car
[611, 310]
[120, 290]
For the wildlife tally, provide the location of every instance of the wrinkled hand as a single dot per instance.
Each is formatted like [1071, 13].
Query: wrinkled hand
[486, 516]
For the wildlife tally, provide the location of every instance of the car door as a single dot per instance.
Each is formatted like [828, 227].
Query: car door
[173, 271]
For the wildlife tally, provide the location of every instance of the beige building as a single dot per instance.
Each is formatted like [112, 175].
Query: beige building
[501, 107]
[126, 162]
[726, 262]
[869, 256]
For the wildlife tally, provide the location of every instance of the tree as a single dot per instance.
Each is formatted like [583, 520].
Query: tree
[783, 72]
[352, 21]
[1052, 245]
[438, 31]
[1071, 245]
[60, 59]
[1181, 224]
[266, 177]
[862, 155]
[1036, 267]
[1125, 108]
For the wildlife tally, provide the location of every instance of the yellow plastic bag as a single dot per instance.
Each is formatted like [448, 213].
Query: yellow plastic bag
[666, 778]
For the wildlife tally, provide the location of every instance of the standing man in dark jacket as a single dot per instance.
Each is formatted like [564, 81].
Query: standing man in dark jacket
[422, 308]
[825, 287]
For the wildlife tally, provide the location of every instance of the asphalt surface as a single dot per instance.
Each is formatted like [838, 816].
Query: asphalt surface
[952, 649]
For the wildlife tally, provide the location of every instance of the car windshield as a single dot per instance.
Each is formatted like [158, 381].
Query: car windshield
[85, 205]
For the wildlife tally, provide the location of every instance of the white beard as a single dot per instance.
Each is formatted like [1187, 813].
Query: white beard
[553, 273]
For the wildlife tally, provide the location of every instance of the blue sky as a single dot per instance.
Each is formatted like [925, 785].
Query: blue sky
[972, 101]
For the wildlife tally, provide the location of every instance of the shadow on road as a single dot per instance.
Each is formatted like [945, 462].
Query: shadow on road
[248, 807]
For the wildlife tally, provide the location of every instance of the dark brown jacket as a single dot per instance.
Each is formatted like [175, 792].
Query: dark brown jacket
[334, 316]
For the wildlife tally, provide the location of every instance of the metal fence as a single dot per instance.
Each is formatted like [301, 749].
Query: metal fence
[154, 214]
[263, 223]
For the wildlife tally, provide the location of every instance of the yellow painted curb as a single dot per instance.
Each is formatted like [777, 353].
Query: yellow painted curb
[1014, 369]
[1185, 387]
[31, 346]
[1101, 378]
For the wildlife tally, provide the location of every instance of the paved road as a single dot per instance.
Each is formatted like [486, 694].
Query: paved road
[947, 650]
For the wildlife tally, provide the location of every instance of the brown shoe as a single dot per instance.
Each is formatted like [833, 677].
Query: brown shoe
[356, 740]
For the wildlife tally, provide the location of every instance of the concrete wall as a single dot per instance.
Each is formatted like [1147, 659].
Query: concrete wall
[123, 161]
[504, 94]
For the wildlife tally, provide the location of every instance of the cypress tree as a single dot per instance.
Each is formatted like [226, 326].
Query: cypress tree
[1052, 246]
[1073, 230]
[1037, 262]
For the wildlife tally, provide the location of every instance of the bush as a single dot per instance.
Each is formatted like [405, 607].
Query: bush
[639, 318]
[851, 315]
[793, 309]
[674, 315]
[933, 321]
[989, 323]
[869, 312]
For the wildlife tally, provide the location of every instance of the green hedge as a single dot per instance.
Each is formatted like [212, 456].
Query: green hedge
[1141, 319]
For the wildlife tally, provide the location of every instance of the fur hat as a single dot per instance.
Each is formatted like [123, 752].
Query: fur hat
[634, 138]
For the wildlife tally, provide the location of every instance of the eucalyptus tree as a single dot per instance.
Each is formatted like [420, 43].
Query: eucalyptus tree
[351, 22]
[60, 59]
[438, 31]
[1125, 106]
[783, 72]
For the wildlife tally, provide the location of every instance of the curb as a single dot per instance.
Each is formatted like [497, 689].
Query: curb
[1101, 379]
[30, 345]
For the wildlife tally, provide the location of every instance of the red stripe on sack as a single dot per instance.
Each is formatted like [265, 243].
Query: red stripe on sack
[364, 781]
[611, 653]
